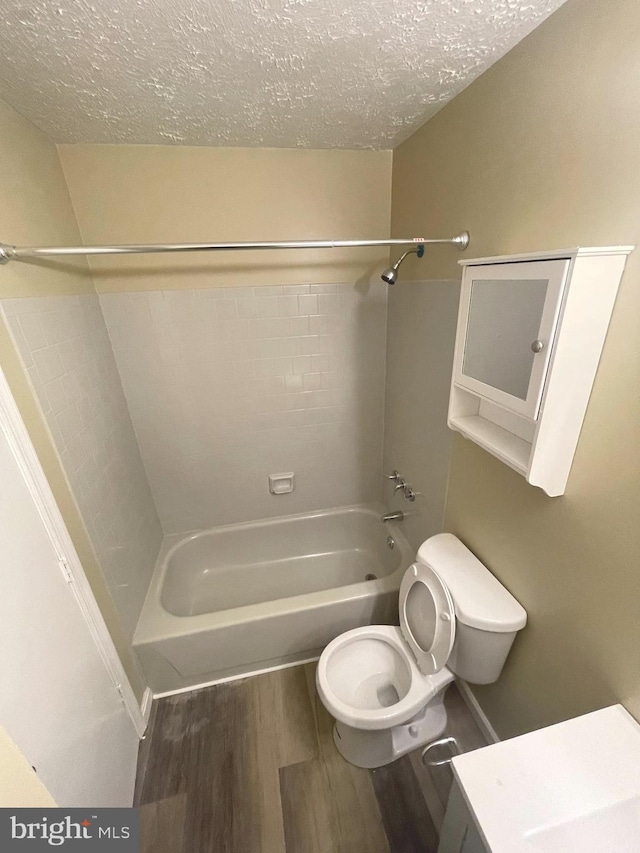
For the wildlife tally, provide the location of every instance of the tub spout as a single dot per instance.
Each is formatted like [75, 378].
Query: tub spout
[398, 515]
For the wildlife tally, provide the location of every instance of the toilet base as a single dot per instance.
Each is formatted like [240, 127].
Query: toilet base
[365, 748]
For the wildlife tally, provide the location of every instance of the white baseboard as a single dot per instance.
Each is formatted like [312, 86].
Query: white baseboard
[228, 678]
[477, 713]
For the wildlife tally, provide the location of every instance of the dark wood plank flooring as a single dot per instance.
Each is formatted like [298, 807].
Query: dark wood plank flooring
[250, 767]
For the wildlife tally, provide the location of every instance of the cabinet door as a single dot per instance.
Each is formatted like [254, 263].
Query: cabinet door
[508, 317]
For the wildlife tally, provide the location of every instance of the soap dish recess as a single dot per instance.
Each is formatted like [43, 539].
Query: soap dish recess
[281, 484]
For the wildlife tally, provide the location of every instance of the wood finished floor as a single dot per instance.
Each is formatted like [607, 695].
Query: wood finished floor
[250, 767]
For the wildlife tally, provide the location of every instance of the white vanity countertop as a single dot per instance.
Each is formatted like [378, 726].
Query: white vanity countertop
[574, 786]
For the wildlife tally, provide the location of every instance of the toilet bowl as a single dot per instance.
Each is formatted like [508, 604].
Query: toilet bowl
[383, 705]
[385, 685]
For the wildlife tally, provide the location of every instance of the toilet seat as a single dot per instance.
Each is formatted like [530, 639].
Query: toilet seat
[380, 676]
[427, 617]
[349, 654]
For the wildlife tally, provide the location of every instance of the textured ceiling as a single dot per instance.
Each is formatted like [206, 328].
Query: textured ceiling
[283, 73]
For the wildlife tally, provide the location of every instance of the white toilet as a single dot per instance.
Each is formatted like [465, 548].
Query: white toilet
[385, 685]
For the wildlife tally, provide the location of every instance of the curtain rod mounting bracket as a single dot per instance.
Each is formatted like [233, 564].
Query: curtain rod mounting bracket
[462, 240]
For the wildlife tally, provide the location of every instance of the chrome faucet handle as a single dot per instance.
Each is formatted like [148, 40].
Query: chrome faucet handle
[400, 485]
[394, 475]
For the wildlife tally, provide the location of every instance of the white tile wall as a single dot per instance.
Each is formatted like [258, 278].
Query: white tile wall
[421, 333]
[65, 348]
[228, 386]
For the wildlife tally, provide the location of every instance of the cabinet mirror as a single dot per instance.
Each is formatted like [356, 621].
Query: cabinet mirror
[509, 316]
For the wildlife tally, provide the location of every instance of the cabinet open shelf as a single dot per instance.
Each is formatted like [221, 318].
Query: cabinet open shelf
[514, 451]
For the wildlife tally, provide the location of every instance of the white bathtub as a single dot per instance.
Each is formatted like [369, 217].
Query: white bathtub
[247, 597]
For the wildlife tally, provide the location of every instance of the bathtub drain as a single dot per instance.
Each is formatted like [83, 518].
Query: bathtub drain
[371, 577]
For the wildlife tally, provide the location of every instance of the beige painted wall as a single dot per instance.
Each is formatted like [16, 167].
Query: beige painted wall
[542, 152]
[35, 209]
[20, 786]
[153, 193]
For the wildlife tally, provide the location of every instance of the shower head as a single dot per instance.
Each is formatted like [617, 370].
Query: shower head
[390, 275]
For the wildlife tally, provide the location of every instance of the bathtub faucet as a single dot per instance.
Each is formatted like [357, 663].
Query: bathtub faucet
[398, 515]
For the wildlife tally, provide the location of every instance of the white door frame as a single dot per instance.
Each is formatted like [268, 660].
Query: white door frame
[13, 427]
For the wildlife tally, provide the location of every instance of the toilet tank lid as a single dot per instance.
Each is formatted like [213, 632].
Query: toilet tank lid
[480, 599]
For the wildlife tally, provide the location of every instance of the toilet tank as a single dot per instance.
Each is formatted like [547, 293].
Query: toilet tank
[487, 616]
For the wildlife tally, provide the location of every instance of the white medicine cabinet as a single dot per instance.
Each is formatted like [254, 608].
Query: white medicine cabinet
[528, 342]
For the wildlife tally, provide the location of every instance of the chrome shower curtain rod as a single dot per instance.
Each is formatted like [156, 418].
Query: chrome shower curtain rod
[19, 253]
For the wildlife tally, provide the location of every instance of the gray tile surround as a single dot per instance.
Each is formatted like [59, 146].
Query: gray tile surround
[227, 386]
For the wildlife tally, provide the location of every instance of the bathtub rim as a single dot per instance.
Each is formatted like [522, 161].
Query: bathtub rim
[155, 623]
